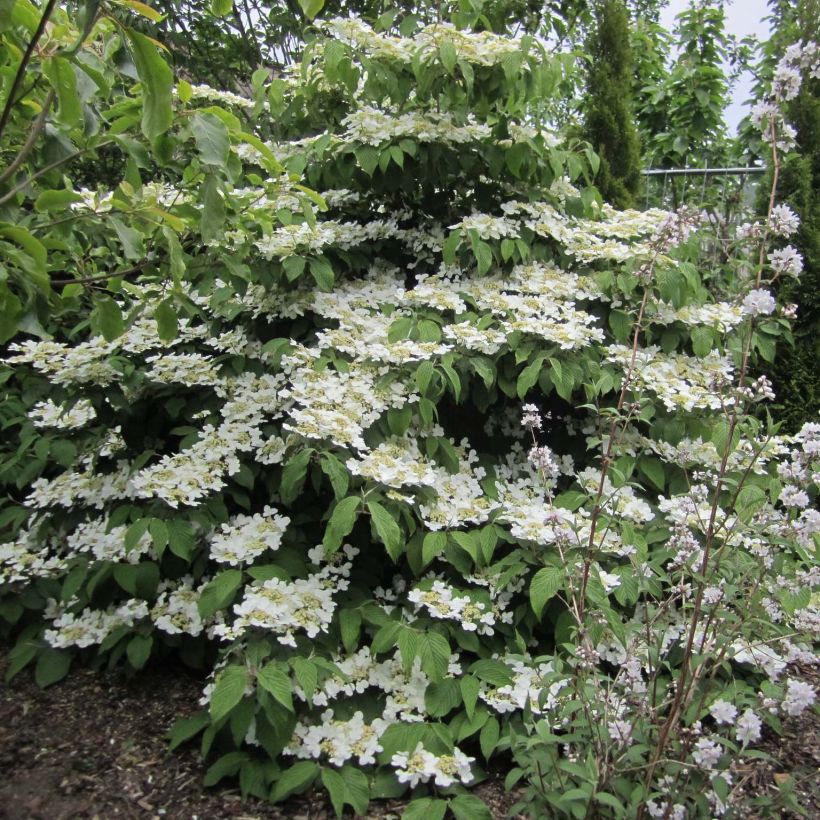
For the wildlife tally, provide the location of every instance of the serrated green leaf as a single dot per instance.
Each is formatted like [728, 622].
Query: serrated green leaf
[273, 678]
[341, 522]
[228, 690]
[211, 137]
[157, 81]
[387, 529]
[544, 586]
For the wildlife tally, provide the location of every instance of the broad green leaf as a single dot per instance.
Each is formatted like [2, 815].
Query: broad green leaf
[63, 80]
[274, 678]
[295, 779]
[341, 522]
[388, 530]
[187, 728]
[52, 666]
[219, 592]
[221, 8]
[425, 808]
[434, 651]
[139, 650]
[433, 545]
[167, 320]
[311, 7]
[55, 200]
[469, 807]
[228, 690]
[211, 137]
[488, 739]
[544, 586]
[157, 81]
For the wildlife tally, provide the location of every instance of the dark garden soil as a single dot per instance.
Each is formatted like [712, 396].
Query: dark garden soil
[93, 746]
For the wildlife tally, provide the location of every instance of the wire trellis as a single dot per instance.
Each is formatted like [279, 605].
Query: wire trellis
[725, 195]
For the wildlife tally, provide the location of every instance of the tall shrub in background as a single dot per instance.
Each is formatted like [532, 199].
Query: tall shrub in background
[609, 122]
[796, 373]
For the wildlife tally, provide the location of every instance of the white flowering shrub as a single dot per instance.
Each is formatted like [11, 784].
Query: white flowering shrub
[444, 464]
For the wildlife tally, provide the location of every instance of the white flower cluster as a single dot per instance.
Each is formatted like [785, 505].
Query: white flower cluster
[481, 48]
[92, 626]
[444, 601]
[528, 689]
[338, 740]
[175, 610]
[64, 417]
[681, 382]
[420, 766]
[373, 127]
[245, 537]
[284, 607]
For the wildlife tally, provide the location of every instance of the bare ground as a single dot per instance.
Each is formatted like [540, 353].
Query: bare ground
[93, 747]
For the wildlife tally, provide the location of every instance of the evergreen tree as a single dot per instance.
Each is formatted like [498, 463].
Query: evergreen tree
[796, 375]
[609, 120]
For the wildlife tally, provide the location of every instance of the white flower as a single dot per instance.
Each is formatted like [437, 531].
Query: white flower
[783, 220]
[758, 302]
[791, 496]
[723, 711]
[707, 753]
[748, 727]
[786, 261]
[799, 696]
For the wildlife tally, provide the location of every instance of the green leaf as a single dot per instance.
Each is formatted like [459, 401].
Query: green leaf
[652, 468]
[425, 808]
[357, 789]
[187, 728]
[132, 243]
[212, 139]
[295, 779]
[335, 785]
[293, 476]
[55, 200]
[492, 671]
[60, 74]
[219, 592]
[433, 545]
[483, 256]
[221, 8]
[441, 698]
[544, 586]
[388, 530]
[311, 7]
[52, 666]
[226, 766]
[139, 650]
[350, 622]
[307, 675]
[434, 651]
[470, 687]
[157, 82]
[212, 219]
[469, 807]
[488, 739]
[449, 56]
[273, 678]
[167, 320]
[322, 272]
[337, 473]
[228, 691]
[341, 522]
[702, 340]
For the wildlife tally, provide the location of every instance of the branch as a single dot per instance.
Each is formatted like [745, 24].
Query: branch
[31, 139]
[87, 280]
[21, 69]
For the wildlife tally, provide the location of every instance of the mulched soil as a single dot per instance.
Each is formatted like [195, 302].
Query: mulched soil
[93, 747]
